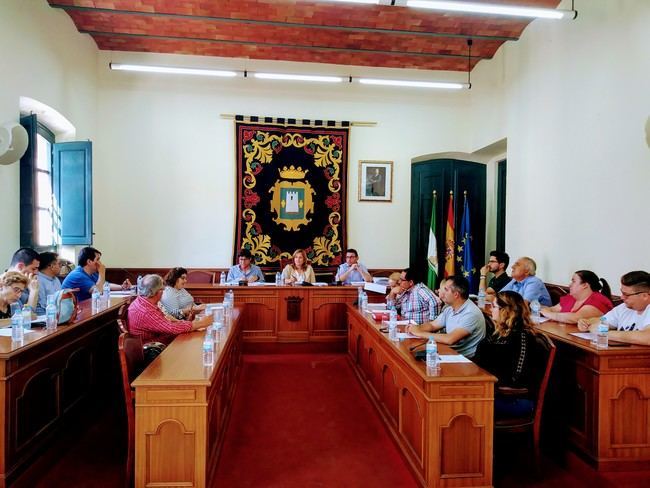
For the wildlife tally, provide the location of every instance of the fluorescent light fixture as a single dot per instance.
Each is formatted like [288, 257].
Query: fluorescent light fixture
[374, 2]
[415, 84]
[280, 76]
[172, 70]
[485, 8]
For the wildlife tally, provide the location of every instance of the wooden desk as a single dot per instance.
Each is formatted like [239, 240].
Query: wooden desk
[600, 400]
[182, 410]
[287, 313]
[443, 424]
[45, 380]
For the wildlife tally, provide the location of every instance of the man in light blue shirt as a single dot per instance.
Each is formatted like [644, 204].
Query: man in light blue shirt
[352, 270]
[48, 281]
[524, 282]
[245, 271]
[463, 321]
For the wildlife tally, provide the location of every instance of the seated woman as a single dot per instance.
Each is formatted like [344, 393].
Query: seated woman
[12, 285]
[507, 353]
[585, 299]
[299, 270]
[176, 300]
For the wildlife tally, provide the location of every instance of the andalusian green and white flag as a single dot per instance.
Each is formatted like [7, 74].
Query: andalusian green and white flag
[432, 250]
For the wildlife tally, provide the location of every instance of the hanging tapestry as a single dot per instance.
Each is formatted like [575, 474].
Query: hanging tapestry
[291, 192]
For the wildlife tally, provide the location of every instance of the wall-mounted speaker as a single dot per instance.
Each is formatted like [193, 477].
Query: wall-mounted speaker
[13, 142]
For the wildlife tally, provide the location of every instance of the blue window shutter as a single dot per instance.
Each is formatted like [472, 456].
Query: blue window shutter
[73, 191]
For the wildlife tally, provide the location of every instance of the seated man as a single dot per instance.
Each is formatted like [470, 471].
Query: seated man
[497, 265]
[148, 321]
[48, 279]
[90, 275]
[463, 321]
[245, 271]
[414, 302]
[26, 261]
[526, 283]
[631, 319]
[352, 269]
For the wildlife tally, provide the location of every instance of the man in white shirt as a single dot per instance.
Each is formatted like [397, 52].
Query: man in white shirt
[631, 319]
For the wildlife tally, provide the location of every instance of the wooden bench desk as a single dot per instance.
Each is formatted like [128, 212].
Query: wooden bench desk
[600, 400]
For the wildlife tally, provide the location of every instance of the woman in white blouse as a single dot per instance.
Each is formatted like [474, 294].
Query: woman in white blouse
[176, 300]
[298, 271]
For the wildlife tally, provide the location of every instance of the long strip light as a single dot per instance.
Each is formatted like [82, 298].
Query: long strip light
[477, 8]
[172, 70]
[486, 8]
[414, 84]
[288, 77]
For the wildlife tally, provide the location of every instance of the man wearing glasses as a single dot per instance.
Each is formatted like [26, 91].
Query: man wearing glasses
[497, 265]
[352, 270]
[245, 271]
[629, 321]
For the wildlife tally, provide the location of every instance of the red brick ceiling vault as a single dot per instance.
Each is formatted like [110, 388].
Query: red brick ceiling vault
[298, 30]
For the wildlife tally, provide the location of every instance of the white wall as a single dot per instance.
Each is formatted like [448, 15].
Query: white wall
[572, 99]
[42, 56]
[165, 161]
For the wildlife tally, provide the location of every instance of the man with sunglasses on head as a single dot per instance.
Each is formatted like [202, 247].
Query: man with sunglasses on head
[629, 321]
[48, 279]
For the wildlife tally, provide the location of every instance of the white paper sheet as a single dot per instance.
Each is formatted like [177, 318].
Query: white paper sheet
[6, 332]
[584, 335]
[539, 320]
[406, 335]
[453, 358]
[406, 322]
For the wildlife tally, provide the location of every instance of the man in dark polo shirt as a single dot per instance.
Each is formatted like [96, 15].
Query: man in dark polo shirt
[497, 264]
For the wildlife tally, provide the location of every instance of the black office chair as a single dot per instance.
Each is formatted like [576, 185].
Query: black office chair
[543, 356]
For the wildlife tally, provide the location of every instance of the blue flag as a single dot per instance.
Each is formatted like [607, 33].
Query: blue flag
[464, 255]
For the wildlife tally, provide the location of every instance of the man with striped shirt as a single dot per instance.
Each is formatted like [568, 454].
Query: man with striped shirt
[414, 301]
[148, 321]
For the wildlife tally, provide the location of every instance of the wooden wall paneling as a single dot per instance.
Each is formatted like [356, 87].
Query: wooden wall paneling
[328, 320]
[411, 422]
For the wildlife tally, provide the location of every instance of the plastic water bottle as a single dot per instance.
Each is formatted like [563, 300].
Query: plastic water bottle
[17, 331]
[106, 295]
[364, 302]
[432, 356]
[208, 349]
[138, 285]
[50, 313]
[534, 308]
[95, 301]
[231, 298]
[392, 324]
[602, 341]
[27, 317]
[278, 279]
[222, 278]
[481, 298]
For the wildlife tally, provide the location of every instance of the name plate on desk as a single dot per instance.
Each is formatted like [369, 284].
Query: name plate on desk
[376, 287]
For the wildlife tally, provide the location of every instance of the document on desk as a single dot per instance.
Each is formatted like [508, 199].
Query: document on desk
[584, 335]
[539, 320]
[406, 322]
[406, 335]
[453, 358]
[6, 332]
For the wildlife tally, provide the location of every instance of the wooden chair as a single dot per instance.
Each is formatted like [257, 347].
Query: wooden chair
[132, 364]
[201, 276]
[544, 357]
[556, 292]
[123, 316]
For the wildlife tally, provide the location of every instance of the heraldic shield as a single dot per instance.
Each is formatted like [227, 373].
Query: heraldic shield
[292, 200]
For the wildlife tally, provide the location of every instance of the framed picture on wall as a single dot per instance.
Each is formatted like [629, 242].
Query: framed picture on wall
[376, 181]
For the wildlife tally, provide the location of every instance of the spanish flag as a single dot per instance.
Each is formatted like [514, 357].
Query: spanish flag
[450, 269]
